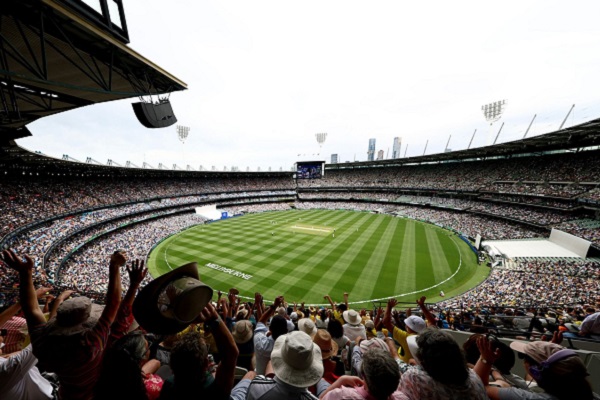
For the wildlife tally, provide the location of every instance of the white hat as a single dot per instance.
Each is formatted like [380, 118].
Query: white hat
[415, 323]
[352, 317]
[297, 360]
[294, 315]
[413, 347]
[307, 326]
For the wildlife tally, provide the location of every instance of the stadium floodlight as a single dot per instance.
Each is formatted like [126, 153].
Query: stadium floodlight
[321, 137]
[493, 111]
[183, 132]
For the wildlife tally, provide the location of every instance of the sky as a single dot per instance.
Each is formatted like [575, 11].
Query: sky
[265, 76]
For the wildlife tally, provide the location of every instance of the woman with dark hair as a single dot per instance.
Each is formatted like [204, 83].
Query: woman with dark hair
[336, 330]
[442, 371]
[559, 371]
[126, 371]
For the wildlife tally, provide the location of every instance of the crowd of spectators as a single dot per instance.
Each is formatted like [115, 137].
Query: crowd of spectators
[535, 283]
[280, 349]
[31, 199]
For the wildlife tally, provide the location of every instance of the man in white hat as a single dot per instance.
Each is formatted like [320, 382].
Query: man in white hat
[353, 328]
[297, 365]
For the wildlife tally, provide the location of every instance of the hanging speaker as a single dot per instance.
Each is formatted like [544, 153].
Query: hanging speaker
[152, 115]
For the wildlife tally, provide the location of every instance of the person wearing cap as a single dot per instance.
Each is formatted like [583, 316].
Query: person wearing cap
[442, 372]
[296, 363]
[72, 343]
[353, 328]
[558, 371]
[362, 347]
[264, 338]
[414, 326]
[379, 380]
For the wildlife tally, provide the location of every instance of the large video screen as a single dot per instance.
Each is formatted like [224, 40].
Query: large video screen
[309, 170]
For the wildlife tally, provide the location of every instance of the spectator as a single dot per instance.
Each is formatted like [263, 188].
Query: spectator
[243, 334]
[558, 371]
[20, 379]
[71, 344]
[264, 338]
[443, 371]
[296, 364]
[353, 328]
[414, 326]
[329, 349]
[189, 362]
[127, 367]
[380, 378]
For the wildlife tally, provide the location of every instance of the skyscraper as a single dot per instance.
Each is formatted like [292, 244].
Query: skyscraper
[334, 158]
[380, 155]
[371, 151]
[397, 146]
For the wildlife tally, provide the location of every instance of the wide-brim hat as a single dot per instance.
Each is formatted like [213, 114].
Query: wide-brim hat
[242, 331]
[540, 351]
[73, 316]
[169, 303]
[327, 345]
[352, 317]
[297, 360]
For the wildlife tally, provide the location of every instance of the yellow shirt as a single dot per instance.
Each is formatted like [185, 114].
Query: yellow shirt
[400, 337]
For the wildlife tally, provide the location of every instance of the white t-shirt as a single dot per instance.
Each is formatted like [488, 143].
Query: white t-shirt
[20, 378]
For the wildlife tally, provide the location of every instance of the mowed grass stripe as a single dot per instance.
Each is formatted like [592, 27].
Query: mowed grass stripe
[376, 262]
[406, 276]
[440, 267]
[424, 273]
[350, 272]
[391, 260]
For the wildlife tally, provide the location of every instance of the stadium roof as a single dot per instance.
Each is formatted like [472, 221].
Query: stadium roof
[573, 138]
[54, 58]
[577, 137]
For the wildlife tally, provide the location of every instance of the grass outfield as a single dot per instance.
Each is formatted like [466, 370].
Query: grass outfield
[307, 254]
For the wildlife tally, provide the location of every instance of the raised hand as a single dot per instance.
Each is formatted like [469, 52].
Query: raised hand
[487, 351]
[421, 301]
[208, 313]
[41, 292]
[118, 258]
[392, 303]
[17, 263]
[136, 272]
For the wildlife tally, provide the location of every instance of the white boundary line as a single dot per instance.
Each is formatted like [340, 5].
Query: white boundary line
[370, 300]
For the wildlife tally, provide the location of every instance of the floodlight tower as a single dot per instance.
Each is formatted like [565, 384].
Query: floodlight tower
[182, 134]
[321, 137]
[493, 112]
